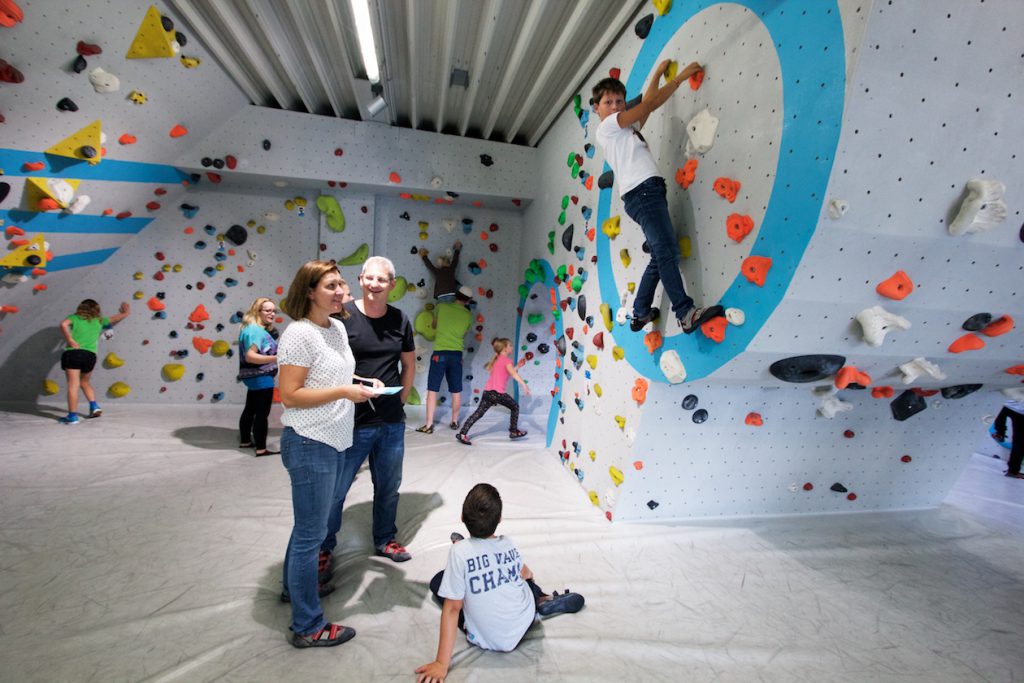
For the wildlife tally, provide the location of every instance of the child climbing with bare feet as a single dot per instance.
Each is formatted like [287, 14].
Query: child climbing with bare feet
[488, 592]
[82, 331]
[642, 189]
[502, 368]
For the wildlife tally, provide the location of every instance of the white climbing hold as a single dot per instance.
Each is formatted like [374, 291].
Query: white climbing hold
[448, 224]
[981, 209]
[700, 132]
[78, 206]
[1015, 393]
[61, 190]
[672, 367]
[735, 316]
[103, 81]
[836, 208]
[14, 278]
[610, 496]
[832, 405]
[918, 367]
[622, 315]
[876, 322]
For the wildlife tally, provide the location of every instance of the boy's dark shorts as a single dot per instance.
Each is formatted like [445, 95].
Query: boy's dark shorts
[78, 359]
[447, 365]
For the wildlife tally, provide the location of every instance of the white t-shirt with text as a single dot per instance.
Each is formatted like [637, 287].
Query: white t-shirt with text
[627, 153]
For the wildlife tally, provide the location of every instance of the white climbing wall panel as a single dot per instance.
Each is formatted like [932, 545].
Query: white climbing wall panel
[913, 103]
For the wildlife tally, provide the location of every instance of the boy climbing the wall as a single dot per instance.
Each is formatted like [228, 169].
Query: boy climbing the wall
[643, 194]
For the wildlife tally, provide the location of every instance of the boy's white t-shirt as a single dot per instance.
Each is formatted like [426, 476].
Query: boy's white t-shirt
[497, 603]
[627, 153]
[325, 351]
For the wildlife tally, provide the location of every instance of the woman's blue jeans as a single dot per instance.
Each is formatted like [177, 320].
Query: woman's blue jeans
[646, 205]
[316, 471]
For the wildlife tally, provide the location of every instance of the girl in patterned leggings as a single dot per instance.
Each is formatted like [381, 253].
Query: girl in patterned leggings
[501, 368]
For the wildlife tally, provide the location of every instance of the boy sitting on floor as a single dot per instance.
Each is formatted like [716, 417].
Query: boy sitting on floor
[488, 592]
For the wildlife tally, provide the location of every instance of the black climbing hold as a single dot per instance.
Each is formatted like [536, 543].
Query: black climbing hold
[977, 321]
[469, 378]
[811, 368]
[180, 38]
[404, 215]
[643, 27]
[4, 190]
[266, 145]
[581, 307]
[167, 23]
[33, 260]
[839, 488]
[194, 177]
[533, 296]
[173, 334]
[453, 195]
[690, 402]
[854, 385]
[960, 390]
[700, 416]
[78, 66]
[414, 250]
[206, 162]
[218, 164]
[199, 376]
[188, 287]
[1021, 233]
[87, 151]
[67, 104]
[543, 348]
[421, 283]
[220, 326]
[606, 180]
[567, 237]
[486, 160]
[237, 235]
[560, 345]
[161, 295]
[907, 405]
[646, 248]
[531, 337]
[652, 504]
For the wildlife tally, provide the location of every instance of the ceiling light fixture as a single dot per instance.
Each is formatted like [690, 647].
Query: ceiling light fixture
[364, 32]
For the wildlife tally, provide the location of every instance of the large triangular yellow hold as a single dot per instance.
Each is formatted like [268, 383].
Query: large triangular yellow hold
[32, 255]
[152, 41]
[72, 146]
[59, 190]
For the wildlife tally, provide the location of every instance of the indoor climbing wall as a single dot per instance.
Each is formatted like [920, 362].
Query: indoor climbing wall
[807, 189]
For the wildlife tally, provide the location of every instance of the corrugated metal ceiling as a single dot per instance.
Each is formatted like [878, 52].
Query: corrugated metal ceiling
[524, 59]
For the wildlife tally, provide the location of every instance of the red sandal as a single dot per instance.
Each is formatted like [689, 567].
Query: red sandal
[329, 636]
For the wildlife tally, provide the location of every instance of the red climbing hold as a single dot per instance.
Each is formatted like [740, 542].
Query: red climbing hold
[615, 72]
[159, 256]
[755, 269]
[231, 162]
[201, 345]
[738, 226]
[338, 151]
[851, 375]
[127, 139]
[997, 327]
[124, 214]
[849, 434]
[754, 419]
[808, 486]
[968, 342]
[924, 393]
[882, 392]
[599, 340]
[9, 309]
[10, 13]
[727, 188]
[12, 231]
[214, 177]
[9, 74]
[696, 80]
[394, 177]
[33, 166]
[178, 131]
[714, 329]
[906, 458]
[897, 287]
[88, 49]
[851, 496]
[159, 192]
[158, 276]
[153, 206]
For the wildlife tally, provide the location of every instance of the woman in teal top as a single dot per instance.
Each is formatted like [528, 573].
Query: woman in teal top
[257, 367]
[82, 331]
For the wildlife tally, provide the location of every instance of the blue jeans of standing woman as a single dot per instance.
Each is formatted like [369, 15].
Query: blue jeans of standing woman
[315, 470]
[385, 445]
[646, 205]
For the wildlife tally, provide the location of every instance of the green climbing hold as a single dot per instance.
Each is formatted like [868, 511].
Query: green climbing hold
[534, 318]
[551, 242]
[357, 257]
[423, 323]
[523, 290]
[401, 286]
[565, 199]
[562, 272]
[575, 170]
[331, 210]
[561, 219]
[414, 398]
[577, 284]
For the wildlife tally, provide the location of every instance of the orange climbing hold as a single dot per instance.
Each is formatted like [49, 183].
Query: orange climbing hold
[201, 345]
[1015, 370]
[127, 139]
[755, 269]
[696, 80]
[638, 465]
[687, 174]
[997, 327]
[727, 188]
[639, 392]
[882, 392]
[924, 393]
[738, 226]
[968, 342]
[178, 131]
[47, 204]
[155, 304]
[39, 288]
[9, 309]
[714, 329]
[13, 230]
[851, 375]
[33, 166]
[653, 341]
[199, 314]
[896, 287]
[754, 419]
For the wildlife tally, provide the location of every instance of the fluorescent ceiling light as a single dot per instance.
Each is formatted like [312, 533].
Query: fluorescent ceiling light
[364, 32]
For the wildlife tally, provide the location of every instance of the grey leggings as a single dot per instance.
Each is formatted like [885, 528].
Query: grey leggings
[489, 399]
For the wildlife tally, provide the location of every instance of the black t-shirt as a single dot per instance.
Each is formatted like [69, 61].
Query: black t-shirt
[377, 344]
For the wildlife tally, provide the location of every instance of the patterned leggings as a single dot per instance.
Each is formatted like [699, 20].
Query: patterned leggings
[487, 401]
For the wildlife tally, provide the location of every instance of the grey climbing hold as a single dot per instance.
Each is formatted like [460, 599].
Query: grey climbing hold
[606, 180]
[643, 27]
[690, 402]
[700, 416]
[960, 390]
[977, 322]
[567, 237]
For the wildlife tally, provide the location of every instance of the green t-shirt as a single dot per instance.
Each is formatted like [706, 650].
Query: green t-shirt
[453, 320]
[86, 331]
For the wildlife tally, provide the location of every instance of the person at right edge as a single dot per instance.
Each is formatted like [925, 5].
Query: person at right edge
[1014, 411]
[642, 189]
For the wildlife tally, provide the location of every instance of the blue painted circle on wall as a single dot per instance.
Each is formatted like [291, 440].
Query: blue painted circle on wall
[808, 38]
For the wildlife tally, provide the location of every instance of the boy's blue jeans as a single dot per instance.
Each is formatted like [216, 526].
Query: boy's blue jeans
[315, 471]
[646, 205]
[385, 446]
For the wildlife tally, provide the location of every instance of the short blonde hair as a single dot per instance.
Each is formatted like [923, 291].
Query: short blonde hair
[297, 304]
[252, 316]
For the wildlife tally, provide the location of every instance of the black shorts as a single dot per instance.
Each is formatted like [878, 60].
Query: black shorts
[78, 359]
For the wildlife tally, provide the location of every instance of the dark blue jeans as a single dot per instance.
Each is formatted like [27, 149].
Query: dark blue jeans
[384, 444]
[646, 205]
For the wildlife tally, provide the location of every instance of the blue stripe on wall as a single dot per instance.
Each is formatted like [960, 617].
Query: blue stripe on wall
[11, 161]
[72, 223]
[79, 260]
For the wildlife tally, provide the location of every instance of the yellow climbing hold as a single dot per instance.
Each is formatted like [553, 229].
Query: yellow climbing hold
[626, 259]
[663, 6]
[50, 387]
[357, 257]
[172, 372]
[151, 41]
[32, 255]
[113, 360]
[685, 247]
[616, 475]
[414, 398]
[594, 498]
[118, 390]
[166, 267]
[138, 295]
[606, 316]
[611, 227]
[60, 191]
[592, 361]
[138, 275]
[673, 66]
[300, 201]
[618, 353]
[72, 146]
[177, 268]
[593, 456]
[630, 287]
[598, 390]
[621, 421]
[220, 348]
[289, 204]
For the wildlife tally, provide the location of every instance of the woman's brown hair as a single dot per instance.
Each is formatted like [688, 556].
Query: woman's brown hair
[88, 310]
[297, 304]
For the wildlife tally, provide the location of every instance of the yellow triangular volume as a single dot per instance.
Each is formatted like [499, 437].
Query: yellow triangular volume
[59, 190]
[152, 41]
[22, 257]
[72, 146]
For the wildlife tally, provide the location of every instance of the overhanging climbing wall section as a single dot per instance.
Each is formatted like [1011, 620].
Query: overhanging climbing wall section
[742, 185]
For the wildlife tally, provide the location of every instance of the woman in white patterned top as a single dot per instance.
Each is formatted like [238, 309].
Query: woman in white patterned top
[316, 375]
